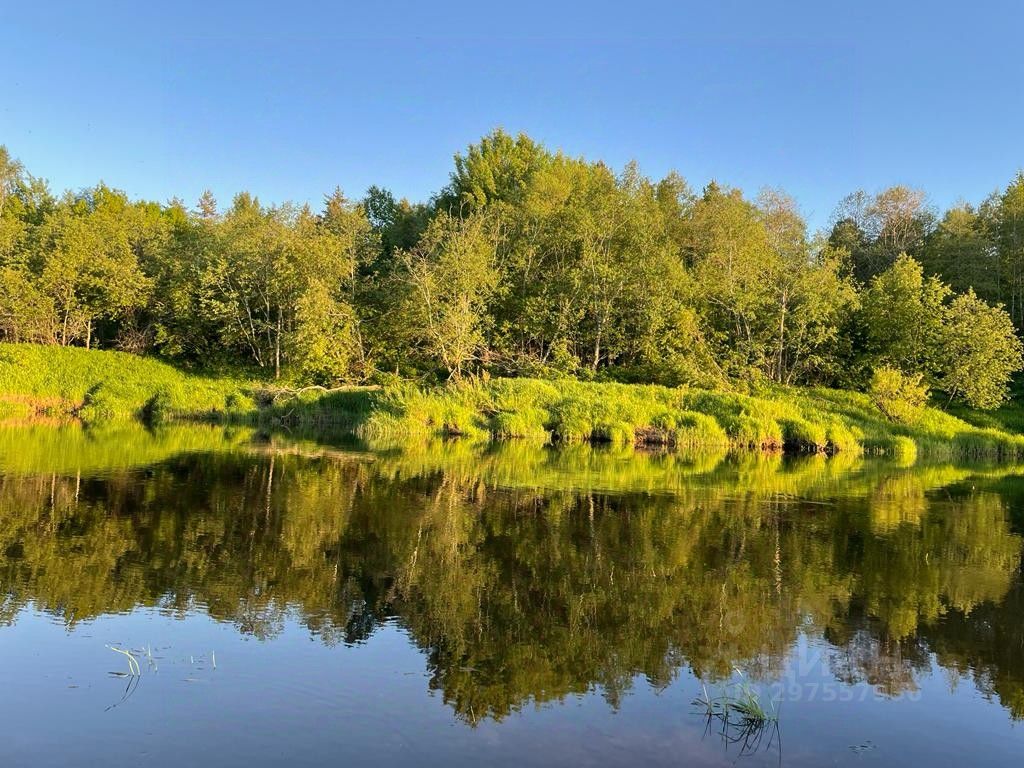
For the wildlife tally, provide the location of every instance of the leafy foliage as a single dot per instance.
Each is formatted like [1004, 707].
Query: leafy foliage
[897, 395]
[528, 263]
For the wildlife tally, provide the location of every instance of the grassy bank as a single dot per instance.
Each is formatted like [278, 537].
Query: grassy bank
[98, 386]
[571, 411]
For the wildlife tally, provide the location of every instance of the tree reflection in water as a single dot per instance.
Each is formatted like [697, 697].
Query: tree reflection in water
[528, 574]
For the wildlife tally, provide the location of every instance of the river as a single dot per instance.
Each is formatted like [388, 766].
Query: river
[199, 595]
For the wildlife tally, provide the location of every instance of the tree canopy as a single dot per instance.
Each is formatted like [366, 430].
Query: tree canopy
[528, 261]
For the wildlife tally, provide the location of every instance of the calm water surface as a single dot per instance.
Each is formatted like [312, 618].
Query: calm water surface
[441, 604]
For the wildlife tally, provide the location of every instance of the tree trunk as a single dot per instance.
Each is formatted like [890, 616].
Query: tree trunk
[277, 347]
[780, 361]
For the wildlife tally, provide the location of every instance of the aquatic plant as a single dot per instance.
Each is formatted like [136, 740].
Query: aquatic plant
[133, 665]
[736, 704]
[742, 717]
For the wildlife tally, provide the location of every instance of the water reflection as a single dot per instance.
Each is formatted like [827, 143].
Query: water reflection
[528, 574]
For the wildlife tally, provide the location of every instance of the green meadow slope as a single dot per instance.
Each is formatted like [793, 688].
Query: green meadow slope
[99, 385]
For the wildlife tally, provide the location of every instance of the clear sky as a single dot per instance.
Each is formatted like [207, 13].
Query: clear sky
[290, 99]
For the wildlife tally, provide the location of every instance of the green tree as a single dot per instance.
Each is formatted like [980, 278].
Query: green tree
[12, 225]
[734, 267]
[877, 229]
[980, 352]
[10, 176]
[902, 315]
[263, 263]
[87, 262]
[498, 169]
[325, 343]
[959, 343]
[818, 301]
[1010, 243]
[962, 252]
[812, 296]
[26, 313]
[245, 278]
[181, 324]
[777, 308]
[450, 277]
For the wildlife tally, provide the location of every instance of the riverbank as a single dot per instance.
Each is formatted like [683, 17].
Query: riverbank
[40, 382]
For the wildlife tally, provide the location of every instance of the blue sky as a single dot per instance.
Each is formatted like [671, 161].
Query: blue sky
[289, 100]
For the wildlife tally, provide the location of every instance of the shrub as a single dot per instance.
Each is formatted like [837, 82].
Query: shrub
[97, 405]
[526, 424]
[803, 435]
[899, 396]
[158, 407]
[239, 403]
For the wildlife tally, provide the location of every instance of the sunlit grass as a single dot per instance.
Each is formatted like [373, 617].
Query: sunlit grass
[101, 386]
[98, 387]
[569, 411]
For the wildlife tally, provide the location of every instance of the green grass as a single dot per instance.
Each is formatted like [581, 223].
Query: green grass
[99, 386]
[569, 411]
[740, 701]
[744, 719]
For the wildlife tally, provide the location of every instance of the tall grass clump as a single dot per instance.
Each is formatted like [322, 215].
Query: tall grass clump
[525, 424]
[158, 408]
[801, 434]
[842, 437]
[406, 410]
[743, 718]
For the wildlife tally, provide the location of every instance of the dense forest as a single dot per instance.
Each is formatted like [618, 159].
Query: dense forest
[529, 262]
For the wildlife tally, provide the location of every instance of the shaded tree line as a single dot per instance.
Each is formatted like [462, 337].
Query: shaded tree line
[529, 262]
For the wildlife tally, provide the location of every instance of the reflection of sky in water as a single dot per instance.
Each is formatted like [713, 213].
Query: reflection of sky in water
[296, 702]
[496, 623]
